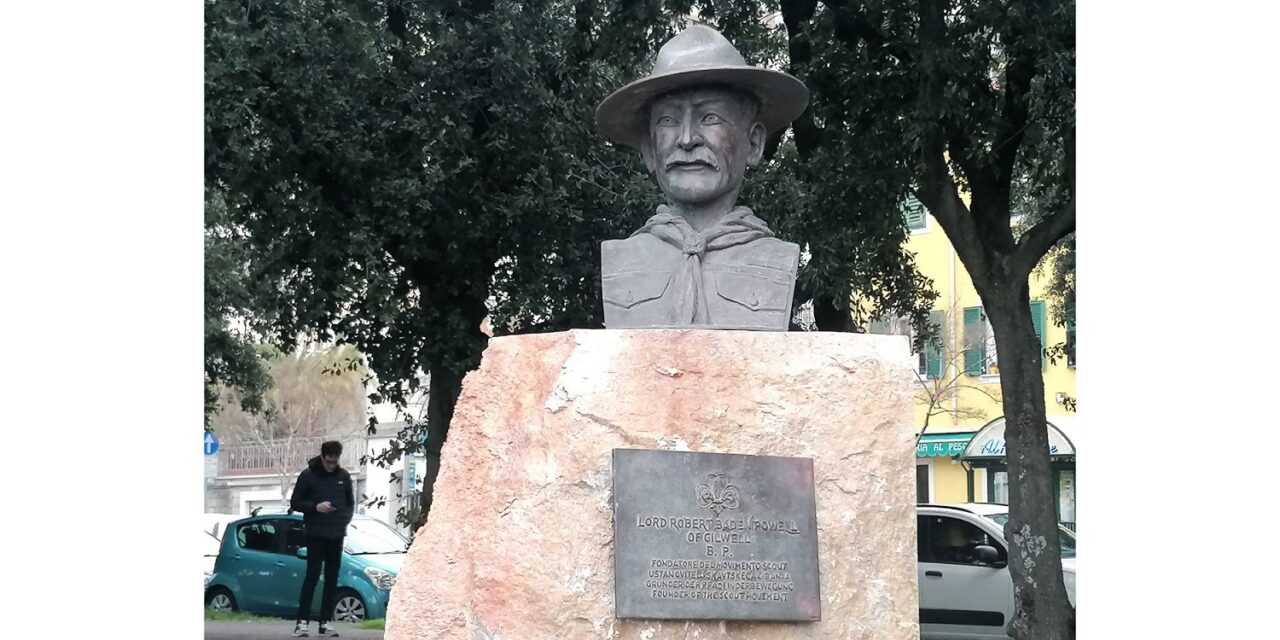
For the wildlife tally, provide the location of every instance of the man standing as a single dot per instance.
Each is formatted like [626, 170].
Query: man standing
[324, 496]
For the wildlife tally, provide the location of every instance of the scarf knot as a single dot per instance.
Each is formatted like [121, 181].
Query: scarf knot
[695, 246]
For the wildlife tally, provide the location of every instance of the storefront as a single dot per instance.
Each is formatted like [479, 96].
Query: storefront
[986, 452]
[939, 476]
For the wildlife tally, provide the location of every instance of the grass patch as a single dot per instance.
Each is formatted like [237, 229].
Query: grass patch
[240, 616]
[380, 623]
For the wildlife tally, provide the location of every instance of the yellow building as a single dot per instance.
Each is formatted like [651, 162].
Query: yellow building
[960, 457]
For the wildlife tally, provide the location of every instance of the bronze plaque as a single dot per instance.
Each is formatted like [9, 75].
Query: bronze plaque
[716, 536]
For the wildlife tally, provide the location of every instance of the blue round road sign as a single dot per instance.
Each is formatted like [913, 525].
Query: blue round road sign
[210, 443]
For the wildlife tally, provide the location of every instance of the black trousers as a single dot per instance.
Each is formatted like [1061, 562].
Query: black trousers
[327, 552]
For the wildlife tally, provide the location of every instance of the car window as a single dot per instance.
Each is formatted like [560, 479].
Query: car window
[294, 537]
[368, 536]
[257, 536]
[1066, 539]
[953, 541]
[1067, 543]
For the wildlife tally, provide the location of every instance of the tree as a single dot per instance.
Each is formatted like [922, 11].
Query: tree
[947, 99]
[231, 358]
[399, 170]
[313, 397]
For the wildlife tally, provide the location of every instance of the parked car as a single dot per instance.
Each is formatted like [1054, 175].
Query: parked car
[262, 563]
[966, 591]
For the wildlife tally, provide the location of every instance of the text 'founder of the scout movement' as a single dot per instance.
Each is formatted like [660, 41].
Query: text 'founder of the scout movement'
[700, 119]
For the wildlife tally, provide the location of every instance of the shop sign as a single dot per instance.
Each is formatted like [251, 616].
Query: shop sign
[940, 449]
[995, 447]
[989, 442]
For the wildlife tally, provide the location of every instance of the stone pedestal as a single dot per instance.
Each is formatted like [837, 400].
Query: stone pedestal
[519, 544]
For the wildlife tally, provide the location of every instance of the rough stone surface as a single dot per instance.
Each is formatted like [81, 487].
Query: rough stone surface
[519, 545]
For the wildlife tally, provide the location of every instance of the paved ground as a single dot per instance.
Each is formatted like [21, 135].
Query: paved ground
[226, 630]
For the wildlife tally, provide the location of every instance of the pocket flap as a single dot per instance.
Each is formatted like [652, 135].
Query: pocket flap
[753, 292]
[627, 290]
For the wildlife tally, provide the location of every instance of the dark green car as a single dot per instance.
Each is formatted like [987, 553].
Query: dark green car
[262, 562]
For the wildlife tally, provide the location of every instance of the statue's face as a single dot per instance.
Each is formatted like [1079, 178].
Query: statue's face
[701, 141]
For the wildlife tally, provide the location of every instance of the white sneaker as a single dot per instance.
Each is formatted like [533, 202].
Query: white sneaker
[300, 630]
[327, 631]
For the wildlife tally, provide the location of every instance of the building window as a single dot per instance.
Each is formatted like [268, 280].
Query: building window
[1067, 498]
[922, 483]
[914, 213]
[999, 487]
[980, 355]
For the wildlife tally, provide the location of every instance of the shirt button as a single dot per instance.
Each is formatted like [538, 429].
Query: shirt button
[755, 302]
[629, 297]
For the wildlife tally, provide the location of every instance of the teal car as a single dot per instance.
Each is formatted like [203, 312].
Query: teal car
[262, 562]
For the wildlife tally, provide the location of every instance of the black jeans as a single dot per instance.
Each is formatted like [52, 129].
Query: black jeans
[326, 551]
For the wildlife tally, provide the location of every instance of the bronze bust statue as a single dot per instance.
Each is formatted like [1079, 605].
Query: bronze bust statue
[700, 119]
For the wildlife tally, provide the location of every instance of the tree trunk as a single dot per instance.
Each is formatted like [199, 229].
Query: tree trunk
[1043, 611]
[446, 385]
[831, 314]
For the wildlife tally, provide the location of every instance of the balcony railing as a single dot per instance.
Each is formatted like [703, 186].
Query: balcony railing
[281, 456]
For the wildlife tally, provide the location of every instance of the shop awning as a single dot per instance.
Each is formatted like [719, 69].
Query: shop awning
[934, 445]
[988, 442]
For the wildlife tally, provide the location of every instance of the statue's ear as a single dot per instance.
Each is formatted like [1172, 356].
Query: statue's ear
[646, 152]
[756, 137]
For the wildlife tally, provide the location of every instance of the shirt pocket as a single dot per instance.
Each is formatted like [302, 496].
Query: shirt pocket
[627, 290]
[753, 292]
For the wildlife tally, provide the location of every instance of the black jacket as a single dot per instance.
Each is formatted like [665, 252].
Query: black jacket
[315, 485]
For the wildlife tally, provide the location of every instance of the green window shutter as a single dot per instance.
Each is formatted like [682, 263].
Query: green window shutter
[914, 213]
[1037, 321]
[932, 354]
[975, 343]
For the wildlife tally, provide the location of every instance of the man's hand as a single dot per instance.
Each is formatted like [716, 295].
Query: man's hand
[325, 507]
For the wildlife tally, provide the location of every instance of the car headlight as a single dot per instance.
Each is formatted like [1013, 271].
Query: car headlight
[381, 578]
[208, 575]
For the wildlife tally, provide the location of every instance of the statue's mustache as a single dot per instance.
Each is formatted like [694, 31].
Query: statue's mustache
[689, 158]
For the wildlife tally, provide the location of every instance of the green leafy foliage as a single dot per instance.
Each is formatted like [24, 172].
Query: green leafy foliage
[231, 297]
[1059, 265]
[399, 170]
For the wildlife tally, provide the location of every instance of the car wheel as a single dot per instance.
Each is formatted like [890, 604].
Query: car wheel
[220, 599]
[348, 606]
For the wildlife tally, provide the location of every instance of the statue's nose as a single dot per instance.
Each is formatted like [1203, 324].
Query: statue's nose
[689, 137]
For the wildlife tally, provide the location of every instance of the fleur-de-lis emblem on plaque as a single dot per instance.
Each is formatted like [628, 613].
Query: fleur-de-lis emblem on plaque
[717, 494]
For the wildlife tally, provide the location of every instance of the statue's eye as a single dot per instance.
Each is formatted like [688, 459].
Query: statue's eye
[712, 118]
[666, 121]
